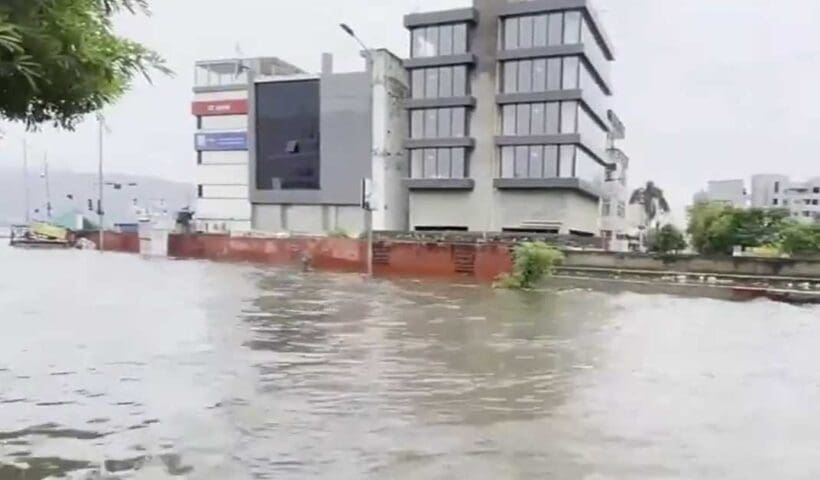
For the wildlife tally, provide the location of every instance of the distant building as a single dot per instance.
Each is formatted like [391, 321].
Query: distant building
[220, 107]
[729, 192]
[618, 233]
[801, 198]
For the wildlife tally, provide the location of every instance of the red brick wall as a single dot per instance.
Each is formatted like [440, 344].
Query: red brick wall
[483, 262]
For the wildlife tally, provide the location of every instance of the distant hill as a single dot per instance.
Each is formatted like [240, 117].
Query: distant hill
[118, 204]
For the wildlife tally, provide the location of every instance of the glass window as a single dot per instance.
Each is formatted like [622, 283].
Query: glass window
[553, 114]
[572, 28]
[586, 168]
[523, 119]
[525, 32]
[418, 83]
[569, 116]
[511, 34]
[606, 208]
[507, 162]
[525, 76]
[511, 77]
[417, 163]
[446, 40]
[418, 41]
[417, 124]
[458, 167]
[536, 164]
[431, 83]
[445, 82]
[432, 40]
[459, 122]
[550, 161]
[445, 123]
[443, 163]
[429, 163]
[459, 81]
[567, 161]
[537, 127]
[556, 32]
[570, 73]
[508, 115]
[430, 123]
[539, 31]
[553, 74]
[522, 161]
[460, 38]
[539, 75]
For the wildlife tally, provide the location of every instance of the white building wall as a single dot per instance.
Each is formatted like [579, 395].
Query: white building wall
[225, 191]
[218, 174]
[225, 122]
[224, 158]
[223, 95]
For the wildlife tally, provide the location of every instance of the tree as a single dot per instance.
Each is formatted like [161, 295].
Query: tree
[800, 239]
[667, 239]
[717, 228]
[60, 59]
[652, 199]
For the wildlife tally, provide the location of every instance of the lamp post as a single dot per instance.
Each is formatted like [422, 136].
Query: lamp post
[366, 201]
[100, 211]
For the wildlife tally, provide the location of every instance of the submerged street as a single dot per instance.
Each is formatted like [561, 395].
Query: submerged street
[113, 366]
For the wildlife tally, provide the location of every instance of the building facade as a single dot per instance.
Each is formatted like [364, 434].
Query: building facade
[508, 117]
[220, 107]
[314, 138]
[728, 192]
[801, 198]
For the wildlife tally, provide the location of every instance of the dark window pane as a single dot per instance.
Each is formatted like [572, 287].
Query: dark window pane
[507, 162]
[525, 76]
[556, 32]
[458, 166]
[430, 123]
[459, 122]
[539, 29]
[417, 124]
[522, 161]
[511, 34]
[430, 163]
[525, 32]
[445, 119]
[445, 79]
[445, 40]
[418, 83]
[536, 164]
[510, 77]
[460, 38]
[443, 163]
[459, 81]
[550, 161]
[431, 82]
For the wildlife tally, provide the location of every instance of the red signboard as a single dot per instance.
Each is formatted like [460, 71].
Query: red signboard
[220, 107]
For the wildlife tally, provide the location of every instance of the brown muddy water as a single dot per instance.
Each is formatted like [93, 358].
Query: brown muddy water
[112, 366]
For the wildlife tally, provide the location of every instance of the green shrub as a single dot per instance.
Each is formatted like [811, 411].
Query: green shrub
[667, 239]
[338, 233]
[532, 261]
[800, 239]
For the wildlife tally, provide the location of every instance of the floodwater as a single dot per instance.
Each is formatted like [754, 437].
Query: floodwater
[112, 366]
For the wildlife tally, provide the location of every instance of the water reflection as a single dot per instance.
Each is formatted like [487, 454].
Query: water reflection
[222, 371]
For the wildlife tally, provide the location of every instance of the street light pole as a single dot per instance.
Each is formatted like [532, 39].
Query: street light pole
[367, 204]
[25, 182]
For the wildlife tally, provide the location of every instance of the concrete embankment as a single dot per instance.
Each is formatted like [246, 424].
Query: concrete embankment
[482, 258]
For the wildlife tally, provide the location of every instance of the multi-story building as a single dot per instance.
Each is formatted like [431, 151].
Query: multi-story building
[802, 199]
[617, 232]
[315, 138]
[728, 192]
[221, 141]
[508, 117]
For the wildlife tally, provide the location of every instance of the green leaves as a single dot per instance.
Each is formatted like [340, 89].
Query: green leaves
[60, 59]
[667, 239]
[531, 262]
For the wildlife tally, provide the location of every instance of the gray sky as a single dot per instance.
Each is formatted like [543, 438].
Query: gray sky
[708, 89]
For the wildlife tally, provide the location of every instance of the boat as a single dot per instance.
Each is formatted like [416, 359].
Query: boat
[41, 236]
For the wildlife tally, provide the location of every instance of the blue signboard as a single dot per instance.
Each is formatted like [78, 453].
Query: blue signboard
[221, 141]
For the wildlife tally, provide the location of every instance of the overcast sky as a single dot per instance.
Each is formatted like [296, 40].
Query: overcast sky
[708, 89]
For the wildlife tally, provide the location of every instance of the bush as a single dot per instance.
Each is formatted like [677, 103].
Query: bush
[668, 239]
[338, 233]
[717, 228]
[531, 262]
[800, 239]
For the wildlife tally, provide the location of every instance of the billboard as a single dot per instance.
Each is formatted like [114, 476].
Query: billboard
[221, 141]
[219, 107]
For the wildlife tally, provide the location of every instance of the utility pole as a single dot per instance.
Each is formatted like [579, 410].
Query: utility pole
[367, 186]
[100, 211]
[25, 182]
